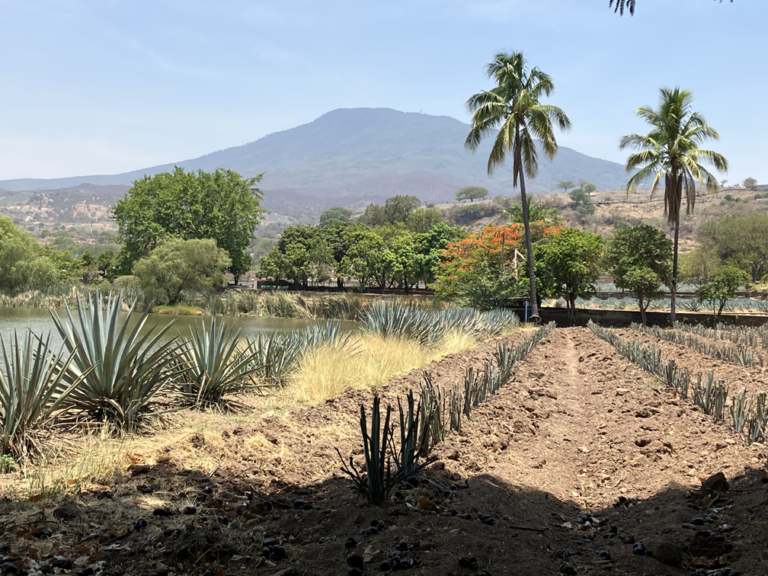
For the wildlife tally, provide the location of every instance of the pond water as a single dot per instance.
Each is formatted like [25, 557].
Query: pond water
[39, 321]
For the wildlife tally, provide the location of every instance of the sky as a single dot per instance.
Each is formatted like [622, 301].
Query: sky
[107, 86]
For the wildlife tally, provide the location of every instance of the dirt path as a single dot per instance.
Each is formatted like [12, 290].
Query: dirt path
[561, 472]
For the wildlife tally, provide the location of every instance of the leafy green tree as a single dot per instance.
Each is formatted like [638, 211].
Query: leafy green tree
[671, 151]
[722, 287]
[514, 106]
[398, 208]
[177, 265]
[471, 193]
[23, 265]
[423, 219]
[374, 215]
[365, 256]
[106, 263]
[302, 254]
[537, 211]
[741, 241]
[589, 187]
[750, 183]
[335, 214]
[697, 267]
[220, 205]
[639, 258]
[431, 245]
[566, 185]
[572, 261]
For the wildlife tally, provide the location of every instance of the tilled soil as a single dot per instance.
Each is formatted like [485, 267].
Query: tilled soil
[562, 472]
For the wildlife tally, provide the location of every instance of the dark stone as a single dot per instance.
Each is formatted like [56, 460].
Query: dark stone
[402, 546]
[350, 543]
[603, 555]
[274, 552]
[189, 510]
[663, 551]
[198, 544]
[140, 524]
[354, 560]
[271, 542]
[301, 504]
[385, 566]
[144, 489]
[639, 550]
[465, 516]
[164, 512]
[141, 469]
[568, 570]
[67, 511]
[354, 572]
[9, 568]
[42, 534]
[489, 520]
[468, 562]
[63, 563]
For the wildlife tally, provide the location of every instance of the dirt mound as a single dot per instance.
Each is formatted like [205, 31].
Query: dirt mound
[582, 464]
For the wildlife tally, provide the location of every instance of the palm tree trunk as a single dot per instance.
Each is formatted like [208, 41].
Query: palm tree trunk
[528, 244]
[673, 287]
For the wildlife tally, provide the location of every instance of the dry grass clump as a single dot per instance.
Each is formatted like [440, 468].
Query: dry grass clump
[368, 362]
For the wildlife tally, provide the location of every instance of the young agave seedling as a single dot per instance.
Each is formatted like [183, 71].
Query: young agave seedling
[457, 405]
[740, 411]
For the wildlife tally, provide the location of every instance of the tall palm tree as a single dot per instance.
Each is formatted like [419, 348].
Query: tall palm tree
[513, 106]
[671, 150]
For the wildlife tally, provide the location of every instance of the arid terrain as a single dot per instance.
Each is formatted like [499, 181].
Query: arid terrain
[576, 460]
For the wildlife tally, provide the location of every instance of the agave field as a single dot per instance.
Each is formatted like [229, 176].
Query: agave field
[523, 450]
[739, 305]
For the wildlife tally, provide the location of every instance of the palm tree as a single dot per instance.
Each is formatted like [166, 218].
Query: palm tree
[671, 150]
[513, 104]
[629, 5]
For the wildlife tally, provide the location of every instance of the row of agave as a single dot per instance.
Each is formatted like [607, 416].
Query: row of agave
[707, 393]
[392, 319]
[756, 337]
[740, 355]
[426, 423]
[117, 370]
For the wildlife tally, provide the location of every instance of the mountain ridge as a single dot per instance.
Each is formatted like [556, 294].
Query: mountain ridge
[367, 154]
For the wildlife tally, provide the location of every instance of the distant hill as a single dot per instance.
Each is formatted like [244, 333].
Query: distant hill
[364, 154]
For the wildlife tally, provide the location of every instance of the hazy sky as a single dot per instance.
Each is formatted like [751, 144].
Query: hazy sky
[106, 86]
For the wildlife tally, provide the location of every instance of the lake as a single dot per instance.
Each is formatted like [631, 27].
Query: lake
[39, 321]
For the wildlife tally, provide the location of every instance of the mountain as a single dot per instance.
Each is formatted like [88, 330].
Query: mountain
[367, 154]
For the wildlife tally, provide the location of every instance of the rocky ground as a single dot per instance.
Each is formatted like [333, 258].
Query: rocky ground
[582, 465]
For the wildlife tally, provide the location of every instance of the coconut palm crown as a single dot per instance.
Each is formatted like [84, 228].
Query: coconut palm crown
[671, 151]
[513, 108]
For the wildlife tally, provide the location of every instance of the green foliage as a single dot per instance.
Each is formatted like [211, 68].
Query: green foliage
[566, 184]
[177, 265]
[422, 220]
[7, 464]
[220, 205]
[589, 187]
[696, 267]
[32, 388]
[580, 196]
[722, 287]
[213, 364]
[431, 245]
[640, 260]
[571, 260]
[750, 183]
[374, 215]
[471, 193]
[740, 241]
[335, 214]
[302, 254]
[468, 214]
[399, 208]
[23, 265]
[120, 365]
[537, 211]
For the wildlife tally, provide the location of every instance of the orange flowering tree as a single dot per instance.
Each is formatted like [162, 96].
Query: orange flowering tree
[487, 267]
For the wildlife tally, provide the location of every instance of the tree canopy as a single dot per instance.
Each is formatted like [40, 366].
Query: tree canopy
[722, 287]
[176, 265]
[220, 205]
[22, 263]
[471, 193]
[335, 214]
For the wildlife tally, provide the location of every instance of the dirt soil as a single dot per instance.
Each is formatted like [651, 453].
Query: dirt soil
[564, 471]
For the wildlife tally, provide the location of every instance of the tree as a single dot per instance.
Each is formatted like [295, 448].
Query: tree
[629, 5]
[365, 255]
[23, 265]
[514, 105]
[177, 265]
[639, 259]
[431, 245]
[722, 287]
[335, 214]
[566, 184]
[740, 241]
[671, 150]
[750, 183]
[589, 187]
[572, 259]
[423, 219]
[398, 208]
[302, 254]
[537, 211]
[105, 264]
[471, 193]
[374, 215]
[579, 196]
[220, 205]
[697, 267]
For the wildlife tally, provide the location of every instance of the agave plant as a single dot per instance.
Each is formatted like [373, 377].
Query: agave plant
[214, 364]
[32, 389]
[274, 358]
[122, 370]
[400, 321]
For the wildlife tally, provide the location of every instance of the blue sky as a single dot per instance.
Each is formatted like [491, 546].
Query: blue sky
[106, 86]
